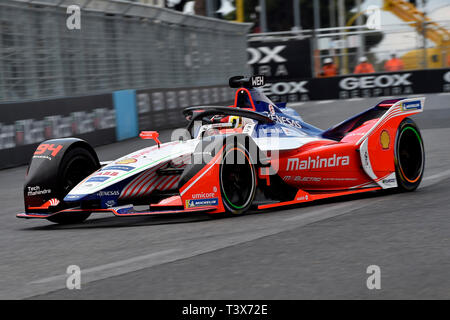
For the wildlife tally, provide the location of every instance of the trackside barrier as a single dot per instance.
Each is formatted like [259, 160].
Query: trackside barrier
[98, 119]
[118, 45]
[161, 108]
[126, 114]
[24, 125]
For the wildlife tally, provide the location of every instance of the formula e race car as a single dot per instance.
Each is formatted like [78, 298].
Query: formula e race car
[254, 154]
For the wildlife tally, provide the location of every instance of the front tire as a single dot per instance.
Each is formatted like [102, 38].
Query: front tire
[76, 165]
[237, 179]
[409, 156]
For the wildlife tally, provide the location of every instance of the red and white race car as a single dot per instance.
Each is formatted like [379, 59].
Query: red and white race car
[254, 154]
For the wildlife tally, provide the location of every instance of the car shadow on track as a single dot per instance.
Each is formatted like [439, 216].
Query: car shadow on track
[96, 222]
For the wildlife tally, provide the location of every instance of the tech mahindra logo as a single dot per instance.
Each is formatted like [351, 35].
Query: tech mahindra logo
[317, 163]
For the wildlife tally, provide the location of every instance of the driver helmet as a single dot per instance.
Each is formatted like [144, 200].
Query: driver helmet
[236, 121]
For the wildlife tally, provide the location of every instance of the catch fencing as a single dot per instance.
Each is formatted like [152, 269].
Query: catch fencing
[345, 45]
[120, 45]
[129, 67]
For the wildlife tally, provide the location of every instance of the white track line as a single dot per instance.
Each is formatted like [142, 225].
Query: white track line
[328, 212]
[296, 219]
[354, 99]
[325, 101]
[295, 104]
[437, 177]
[119, 267]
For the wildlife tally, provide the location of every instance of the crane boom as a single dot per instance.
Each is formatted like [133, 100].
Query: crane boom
[409, 13]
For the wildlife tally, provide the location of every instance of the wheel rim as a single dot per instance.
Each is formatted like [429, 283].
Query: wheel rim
[237, 179]
[410, 154]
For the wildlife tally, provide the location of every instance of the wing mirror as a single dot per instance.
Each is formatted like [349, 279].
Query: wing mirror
[150, 135]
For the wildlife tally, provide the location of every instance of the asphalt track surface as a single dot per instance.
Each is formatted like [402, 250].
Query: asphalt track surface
[312, 251]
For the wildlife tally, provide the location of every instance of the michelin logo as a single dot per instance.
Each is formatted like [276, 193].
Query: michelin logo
[412, 105]
[201, 202]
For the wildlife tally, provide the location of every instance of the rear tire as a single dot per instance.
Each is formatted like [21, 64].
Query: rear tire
[409, 156]
[76, 165]
[237, 179]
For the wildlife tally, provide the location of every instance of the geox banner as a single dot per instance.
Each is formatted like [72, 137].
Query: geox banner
[360, 86]
[24, 125]
[280, 60]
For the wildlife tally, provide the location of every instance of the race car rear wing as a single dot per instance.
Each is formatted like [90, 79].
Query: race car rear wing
[401, 108]
[383, 111]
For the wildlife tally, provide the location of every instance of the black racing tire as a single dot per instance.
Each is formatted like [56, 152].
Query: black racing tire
[237, 179]
[76, 165]
[409, 156]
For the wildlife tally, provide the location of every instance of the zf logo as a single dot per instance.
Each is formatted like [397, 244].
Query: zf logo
[263, 55]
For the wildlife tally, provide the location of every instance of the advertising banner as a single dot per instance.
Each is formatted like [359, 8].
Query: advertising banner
[280, 60]
[99, 119]
[360, 86]
[162, 108]
[24, 125]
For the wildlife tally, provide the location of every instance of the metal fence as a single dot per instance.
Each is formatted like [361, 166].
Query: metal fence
[120, 45]
[345, 45]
